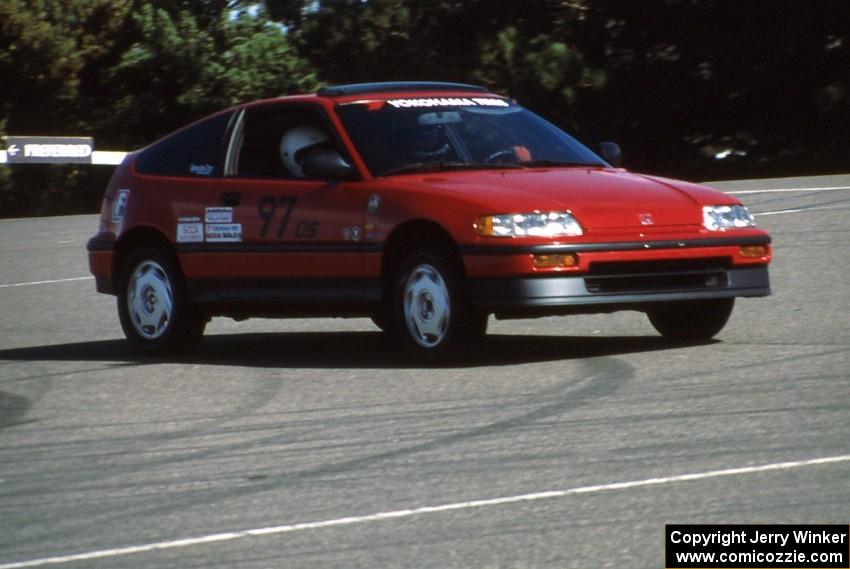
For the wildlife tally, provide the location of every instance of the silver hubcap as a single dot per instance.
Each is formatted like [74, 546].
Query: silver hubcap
[426, 306]
[150, 300]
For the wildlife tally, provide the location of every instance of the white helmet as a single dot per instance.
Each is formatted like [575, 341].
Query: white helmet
[294, 141]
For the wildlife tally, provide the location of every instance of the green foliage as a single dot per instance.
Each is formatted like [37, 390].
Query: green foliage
[38, 65]
[176, 70]
[686, 80]
[259, 63]
[126, 73]
[545, 73]
[160, 76]
[676, 81]
[525, 49]
[44, 48]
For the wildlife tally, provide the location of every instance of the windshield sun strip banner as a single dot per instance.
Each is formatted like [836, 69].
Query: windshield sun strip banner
[432, 102]
[425, 102]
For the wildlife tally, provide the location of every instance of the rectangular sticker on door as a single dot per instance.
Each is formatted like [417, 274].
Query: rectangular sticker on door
[218, 215]
[224, 232]
[190, 230]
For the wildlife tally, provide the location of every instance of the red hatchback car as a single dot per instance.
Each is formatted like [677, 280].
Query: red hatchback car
[427, 206]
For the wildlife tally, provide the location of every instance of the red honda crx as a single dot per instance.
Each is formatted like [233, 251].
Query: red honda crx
[427, 206]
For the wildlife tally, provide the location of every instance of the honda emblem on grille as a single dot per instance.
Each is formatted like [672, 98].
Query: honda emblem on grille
[646, 219]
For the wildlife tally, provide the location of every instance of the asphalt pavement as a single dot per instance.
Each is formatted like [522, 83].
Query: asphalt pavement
[566, 442]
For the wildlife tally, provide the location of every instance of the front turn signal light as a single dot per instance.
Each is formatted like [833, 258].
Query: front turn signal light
[554, 261]
[752, 251]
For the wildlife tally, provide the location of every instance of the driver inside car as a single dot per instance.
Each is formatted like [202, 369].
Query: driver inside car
[430, 143]
[295, 144]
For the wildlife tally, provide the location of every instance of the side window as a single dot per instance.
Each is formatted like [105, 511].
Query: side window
[196, 150]
[274, 140]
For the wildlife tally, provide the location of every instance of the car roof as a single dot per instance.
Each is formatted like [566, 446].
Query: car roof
[351, 92]
[398, 86]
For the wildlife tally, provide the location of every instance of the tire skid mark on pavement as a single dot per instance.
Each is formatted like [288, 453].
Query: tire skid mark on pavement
[425, 510]
[594, 379]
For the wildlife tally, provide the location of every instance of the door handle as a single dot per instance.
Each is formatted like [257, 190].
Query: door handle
[231, 198]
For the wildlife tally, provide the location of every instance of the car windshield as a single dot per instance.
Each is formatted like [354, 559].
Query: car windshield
[428, 134]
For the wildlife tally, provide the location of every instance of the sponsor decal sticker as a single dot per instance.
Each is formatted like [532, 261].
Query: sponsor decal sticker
[218, 215]
[190, 230]
[448, 102]
[370, 231]
[119, 207]
[223, 232]
[374, 203]
[201, 169]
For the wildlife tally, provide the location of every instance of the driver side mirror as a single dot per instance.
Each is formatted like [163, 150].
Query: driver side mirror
[611, 153]
[326, 163]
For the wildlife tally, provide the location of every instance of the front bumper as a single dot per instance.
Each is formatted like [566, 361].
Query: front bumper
[580, 294]
[615, 276]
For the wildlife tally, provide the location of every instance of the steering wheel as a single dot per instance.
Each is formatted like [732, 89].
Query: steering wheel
[501, 155]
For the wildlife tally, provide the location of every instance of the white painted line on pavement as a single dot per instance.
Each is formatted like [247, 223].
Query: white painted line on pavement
[12, 285]
[778, 212]
[802, 210]
[786, 190]
[272, 530]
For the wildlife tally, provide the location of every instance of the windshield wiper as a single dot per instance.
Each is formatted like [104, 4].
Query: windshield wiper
[446, 166]
[557, 163]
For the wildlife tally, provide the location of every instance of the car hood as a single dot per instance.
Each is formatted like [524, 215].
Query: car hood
[601, 199]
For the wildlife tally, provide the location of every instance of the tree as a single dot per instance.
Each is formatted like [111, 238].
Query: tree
[259, 62]
[176, 69]
[525, 49]
[763, 83]
[126, 73]
[43, 48]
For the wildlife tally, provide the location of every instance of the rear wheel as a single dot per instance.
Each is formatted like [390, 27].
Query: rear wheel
[434, 317]
[153, 304]
[691, 320]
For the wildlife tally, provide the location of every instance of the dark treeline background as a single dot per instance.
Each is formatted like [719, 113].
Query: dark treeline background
[763, 83]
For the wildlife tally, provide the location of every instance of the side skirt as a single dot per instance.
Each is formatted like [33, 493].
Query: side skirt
[243, 298]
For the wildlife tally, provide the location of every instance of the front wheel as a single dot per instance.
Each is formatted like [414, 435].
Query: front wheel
[691, 321]
[433, 314]
[153, 304]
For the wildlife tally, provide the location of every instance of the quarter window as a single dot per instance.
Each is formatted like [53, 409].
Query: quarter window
[196, 150]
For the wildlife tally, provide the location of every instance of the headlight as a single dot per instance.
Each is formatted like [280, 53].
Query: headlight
[551, 224]
[721, 217]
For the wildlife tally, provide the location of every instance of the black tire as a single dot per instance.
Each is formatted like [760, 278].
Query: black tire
[691, 321]
[153, 304]
[384, 320]
[432, 312]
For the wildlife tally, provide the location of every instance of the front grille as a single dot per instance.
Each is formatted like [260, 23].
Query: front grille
[657, 276]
